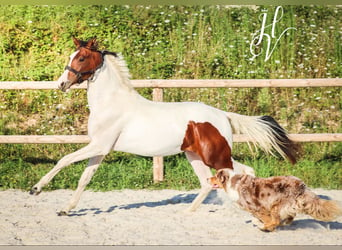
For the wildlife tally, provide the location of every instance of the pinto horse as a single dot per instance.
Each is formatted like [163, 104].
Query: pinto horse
[122, 120]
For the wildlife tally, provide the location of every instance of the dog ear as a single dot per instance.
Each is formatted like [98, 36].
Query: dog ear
[223, 177]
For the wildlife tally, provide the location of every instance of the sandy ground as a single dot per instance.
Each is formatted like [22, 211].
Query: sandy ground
[142, 217]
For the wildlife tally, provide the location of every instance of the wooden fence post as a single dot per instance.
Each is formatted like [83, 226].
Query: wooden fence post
[158, 162]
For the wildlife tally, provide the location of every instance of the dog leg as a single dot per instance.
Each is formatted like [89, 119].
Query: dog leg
[269, 227]
[203, 173]
[287, 221]
[264, 218]
[274, 220]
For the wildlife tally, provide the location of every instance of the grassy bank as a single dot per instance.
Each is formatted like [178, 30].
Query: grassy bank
[171, 42]
[26, 164]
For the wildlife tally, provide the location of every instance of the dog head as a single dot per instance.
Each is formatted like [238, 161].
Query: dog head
[221, 179]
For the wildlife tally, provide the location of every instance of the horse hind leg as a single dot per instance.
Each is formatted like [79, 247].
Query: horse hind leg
[83, 182]
[240, 168]
[203, 173]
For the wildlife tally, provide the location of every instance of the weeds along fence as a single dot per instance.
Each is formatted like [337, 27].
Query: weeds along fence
[157, 95]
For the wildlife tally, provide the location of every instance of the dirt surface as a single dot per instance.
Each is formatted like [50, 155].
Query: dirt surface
[142, 217]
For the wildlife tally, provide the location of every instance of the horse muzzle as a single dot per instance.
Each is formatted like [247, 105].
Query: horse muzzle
[64, 86]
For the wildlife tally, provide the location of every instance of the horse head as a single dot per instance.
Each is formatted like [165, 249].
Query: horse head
[83, 64]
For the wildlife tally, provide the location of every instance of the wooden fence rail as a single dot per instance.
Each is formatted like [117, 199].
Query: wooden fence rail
[64, 139]
[208, 83]
[158, 86]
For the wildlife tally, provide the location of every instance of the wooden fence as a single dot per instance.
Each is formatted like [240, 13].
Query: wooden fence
[158, 85]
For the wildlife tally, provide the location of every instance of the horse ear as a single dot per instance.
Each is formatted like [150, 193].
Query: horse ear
[92, 44]
[76, 42]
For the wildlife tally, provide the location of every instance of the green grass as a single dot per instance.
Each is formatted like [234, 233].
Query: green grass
[122, 171]
[171, 42]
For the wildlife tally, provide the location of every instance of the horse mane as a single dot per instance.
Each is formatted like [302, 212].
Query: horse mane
[119, 64]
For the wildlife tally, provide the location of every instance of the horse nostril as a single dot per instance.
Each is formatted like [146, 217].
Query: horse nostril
[63, 86]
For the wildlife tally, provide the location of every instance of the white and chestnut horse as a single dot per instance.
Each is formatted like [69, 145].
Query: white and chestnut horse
[122, 120]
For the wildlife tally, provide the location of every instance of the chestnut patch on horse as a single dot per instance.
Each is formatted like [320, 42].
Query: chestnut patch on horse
[86, 62]
[206, 141]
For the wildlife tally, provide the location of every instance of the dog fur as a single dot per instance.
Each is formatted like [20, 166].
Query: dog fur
[274, 201]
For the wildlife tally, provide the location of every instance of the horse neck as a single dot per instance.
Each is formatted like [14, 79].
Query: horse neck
[108, 88]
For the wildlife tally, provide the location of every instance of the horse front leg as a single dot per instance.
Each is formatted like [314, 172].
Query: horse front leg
[87, 152]
[88, 173]
[203, 173]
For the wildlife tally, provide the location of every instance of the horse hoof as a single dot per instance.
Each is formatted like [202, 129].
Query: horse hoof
[35, 191]
[189, 210]
[62, 213]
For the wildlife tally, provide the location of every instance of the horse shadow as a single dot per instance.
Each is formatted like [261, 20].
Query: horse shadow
[212, 198]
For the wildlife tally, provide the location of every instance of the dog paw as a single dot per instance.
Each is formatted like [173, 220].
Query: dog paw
[263, 229]
[267, 228]
[257, 222]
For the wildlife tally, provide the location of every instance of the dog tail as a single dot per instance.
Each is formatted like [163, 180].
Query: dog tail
[320, 209]
[266, 133]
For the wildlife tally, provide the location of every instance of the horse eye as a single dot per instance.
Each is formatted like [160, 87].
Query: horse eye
[81, 59]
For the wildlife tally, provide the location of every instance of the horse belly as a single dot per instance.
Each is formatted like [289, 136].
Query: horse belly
[152, 141]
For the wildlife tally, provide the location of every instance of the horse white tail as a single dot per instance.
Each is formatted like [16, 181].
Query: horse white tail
[266, 133]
